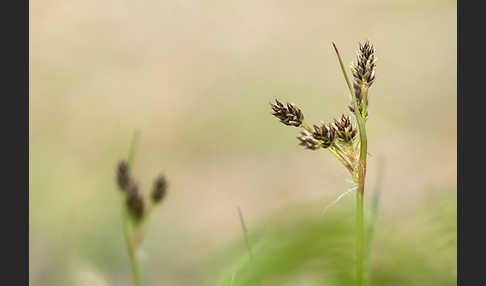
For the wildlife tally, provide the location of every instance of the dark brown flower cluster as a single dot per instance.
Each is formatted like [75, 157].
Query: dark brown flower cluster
[363, 73]
[134, 200]
[159, 189]
[339, 137]
[323, 135]
[308, 141]
[344, 129]
[288, 114]
[364, 68]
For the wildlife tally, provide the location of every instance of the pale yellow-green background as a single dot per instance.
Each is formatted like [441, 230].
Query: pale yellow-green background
[196, 78]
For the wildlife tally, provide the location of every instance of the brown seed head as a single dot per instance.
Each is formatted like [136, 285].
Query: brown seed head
[326, 133]
[132, 187]
[308, 141]
[123, 176]
[364, 68]
[344, 130]
[159, 190]
[136, 205]
[288, 114]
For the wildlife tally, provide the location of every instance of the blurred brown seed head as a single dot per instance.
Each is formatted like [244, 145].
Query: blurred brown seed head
[135, 204]
[133, 188]
[308, 141]
[159, 189]
[288, 114]
[326, 133]
[364, 68]
[344, 130]
[123, 176]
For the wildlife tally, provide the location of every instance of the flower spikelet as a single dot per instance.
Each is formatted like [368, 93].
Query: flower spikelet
[288, 114]
[344, 130]
[326, 133]
[308, 141]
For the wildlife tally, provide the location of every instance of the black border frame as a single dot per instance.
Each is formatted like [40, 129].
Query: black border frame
[15, 141]
[470, 124]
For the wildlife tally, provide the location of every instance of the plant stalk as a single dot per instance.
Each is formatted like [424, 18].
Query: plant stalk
[361, 174]
[132, 250]
[128, 229]
[360, 239]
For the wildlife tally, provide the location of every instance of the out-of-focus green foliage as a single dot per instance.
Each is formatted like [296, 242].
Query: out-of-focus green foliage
[319, 250]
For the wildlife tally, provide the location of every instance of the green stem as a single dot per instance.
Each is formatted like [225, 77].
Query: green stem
[360, 239]
[344, 70]
[360, 175]
[128, 229]
[374, 214]
[375, 204]
[132, 249]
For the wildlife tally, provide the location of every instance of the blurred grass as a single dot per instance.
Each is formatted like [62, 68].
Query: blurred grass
[196, 79]
[308, 249]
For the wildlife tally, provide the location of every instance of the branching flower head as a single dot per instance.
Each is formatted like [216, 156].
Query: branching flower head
[136, 210]
[134, 202]
[340, 136]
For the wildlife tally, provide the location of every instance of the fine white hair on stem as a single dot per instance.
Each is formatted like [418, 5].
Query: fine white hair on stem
[342, 195]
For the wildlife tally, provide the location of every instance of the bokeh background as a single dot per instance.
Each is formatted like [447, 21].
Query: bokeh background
[196, 78]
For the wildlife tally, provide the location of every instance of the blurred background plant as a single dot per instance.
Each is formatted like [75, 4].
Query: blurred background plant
[136, 210]
[192, 76]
